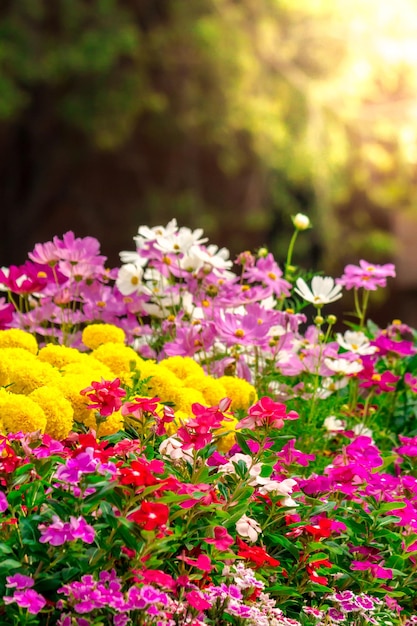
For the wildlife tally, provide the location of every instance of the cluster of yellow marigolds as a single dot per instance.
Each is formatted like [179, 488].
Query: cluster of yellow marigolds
[40, 387]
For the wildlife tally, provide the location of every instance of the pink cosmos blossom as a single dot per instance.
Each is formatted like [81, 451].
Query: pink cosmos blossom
[24, 279]
[366, 275]
[105, 396]
[244, 330]
[6, 313]
[268, 272]
[386, 345]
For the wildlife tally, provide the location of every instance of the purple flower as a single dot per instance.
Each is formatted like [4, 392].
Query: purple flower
[27, 599]
[336, 615]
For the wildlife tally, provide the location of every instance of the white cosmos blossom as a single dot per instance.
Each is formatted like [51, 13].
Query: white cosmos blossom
[343, 366]
[129, 279]
[356, 342]
[333, 424]
[180, 241]
[146, 234]
[323, 290]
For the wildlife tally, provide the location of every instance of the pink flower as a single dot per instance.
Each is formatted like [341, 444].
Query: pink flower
[27, 599]
[105, 396]
[411, 381]
[267, 412]
[139, 406]
[197, 600]
[366, 275]
[222, 540]
[202, 562]
[267, 272]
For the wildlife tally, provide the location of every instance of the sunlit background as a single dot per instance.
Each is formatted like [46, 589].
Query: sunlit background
[228, 115]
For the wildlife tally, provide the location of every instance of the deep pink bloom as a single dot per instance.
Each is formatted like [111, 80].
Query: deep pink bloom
[267, 412]
[19, 581]
[25, 279]
[3, 502]
[386, 345]
[222, 540]
[60, 532]
[140, 406]
[197, 600]
[105, 396]
[6, 313]
[202, 562]
[411, 381]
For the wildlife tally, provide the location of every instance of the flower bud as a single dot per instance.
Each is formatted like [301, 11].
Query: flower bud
[331, 319]
[301, 221]
[318, 320]
[262, 253]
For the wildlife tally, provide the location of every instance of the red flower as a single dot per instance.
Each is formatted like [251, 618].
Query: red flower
[256, 554]
[322, 529]
[312, 573]
[150, 515]
[138, 473]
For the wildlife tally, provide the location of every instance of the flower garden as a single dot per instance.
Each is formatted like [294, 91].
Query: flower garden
[191, 439]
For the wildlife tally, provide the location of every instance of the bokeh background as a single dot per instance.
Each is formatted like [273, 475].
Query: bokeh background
[230, 115]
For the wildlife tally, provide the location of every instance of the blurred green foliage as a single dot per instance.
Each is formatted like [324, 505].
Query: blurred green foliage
[244, 109]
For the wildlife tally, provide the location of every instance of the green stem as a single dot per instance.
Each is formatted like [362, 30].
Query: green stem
[288, 270]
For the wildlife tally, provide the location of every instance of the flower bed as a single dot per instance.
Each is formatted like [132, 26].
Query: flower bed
[187, 444]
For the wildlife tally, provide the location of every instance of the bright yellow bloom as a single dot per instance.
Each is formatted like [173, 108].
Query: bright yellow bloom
[58, 411]
[241, 393]
[185, 397]
[10, 356]
[96, 335]
[59, 356]
[212, 390]
[91, 367]
[183, 366]
[21, 413]
[24, 376]
[161, 383]
[70, 386]
[16, 338]
[119, 358]
[181, 417]
[112, 424]
[225, 436]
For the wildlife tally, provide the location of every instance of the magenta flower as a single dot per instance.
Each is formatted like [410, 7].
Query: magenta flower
[3, 502]
[60, 532]
[366, 275]
[19, 581]
[222, 540]
[140, 406]
[27, 599]
[411, 381]
[6, 313]
[105, 396]
[245, 330]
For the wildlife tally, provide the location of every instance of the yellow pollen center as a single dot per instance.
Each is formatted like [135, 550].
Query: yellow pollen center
[272, 276]
[376, 377]
[259, 321]
[42, 275]
[167, 260]
[245, 288]
[101, 304]
[239, 333]
[134, 280]
[205, 303]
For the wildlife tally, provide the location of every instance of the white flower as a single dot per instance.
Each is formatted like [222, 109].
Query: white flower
[180, 241]
[343, 366]
[356, 342]
[129, 279]
[323, 290]
[172, 448]
[301, 221]
[279, 488]
[333, 424]
[254, 470]
[363, 431]
[146, 234]
[248, 527]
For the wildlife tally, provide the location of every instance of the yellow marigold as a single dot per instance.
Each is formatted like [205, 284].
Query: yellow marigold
[181, 417]
[112, 424]
[21, 413]
[96, 335]
[27, 375]
[161, 383]
[212, 390]
[241, 393]
[58, 410]
[10, 356]
[92, 368]
[59, 356]
[70, 386]
[185, 397]
[183, 366]
[118, 358]
[225, 436]
[16, 338]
